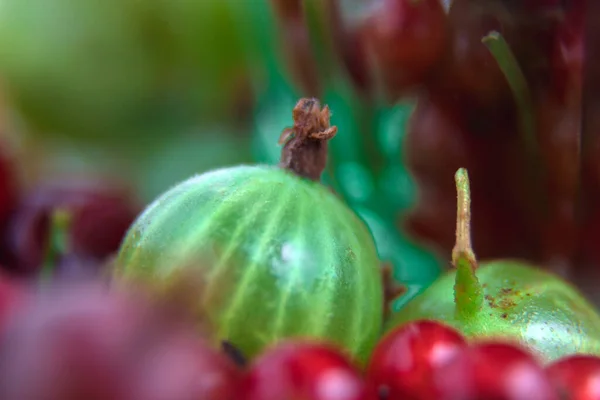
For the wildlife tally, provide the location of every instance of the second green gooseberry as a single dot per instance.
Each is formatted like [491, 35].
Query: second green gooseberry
[506, 299]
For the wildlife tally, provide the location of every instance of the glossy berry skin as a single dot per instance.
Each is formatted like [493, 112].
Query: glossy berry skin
[84, 342]
[12, 295]
[303, 370]
[497, 371]
[279, 255]
[405, 38]
[521, 302]
[404, 362]
[185, 368]
[576, 377]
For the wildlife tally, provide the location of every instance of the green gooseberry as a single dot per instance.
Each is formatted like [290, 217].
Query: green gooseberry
[267, 252]
[506, 299]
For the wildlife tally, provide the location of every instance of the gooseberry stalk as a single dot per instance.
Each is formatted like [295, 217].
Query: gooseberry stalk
[468, 293]
[58, 241]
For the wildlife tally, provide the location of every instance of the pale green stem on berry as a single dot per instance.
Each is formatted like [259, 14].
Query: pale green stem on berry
[58, 241]
[468, 293]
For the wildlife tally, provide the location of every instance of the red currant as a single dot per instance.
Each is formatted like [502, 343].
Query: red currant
[577, 377]
[7, 188]
[436, 142]
[403, 364]
[85, 342]
[303, 370]
[100, 213]
[11, 295]
[498, 371]
[569, 52]
[406, 39]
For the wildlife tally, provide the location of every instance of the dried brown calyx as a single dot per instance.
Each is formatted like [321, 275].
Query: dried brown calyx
[305, 144]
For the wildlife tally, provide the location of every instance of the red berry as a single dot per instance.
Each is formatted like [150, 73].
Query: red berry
[469, 67]
[7, 188]
[404, 361]
[183, 368]
[542, 5]
[100, 215]
[406, 38]
[11, 296]
[436, 142]
[498, 371]
[84, 342]
[577, 377]
[569, 52]
[303, 370]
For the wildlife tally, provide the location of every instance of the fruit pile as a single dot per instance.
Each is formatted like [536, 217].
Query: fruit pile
[257, 282]
[498, 88]
[86, 342]
[100, 212]
[279, 280]
[518, 132]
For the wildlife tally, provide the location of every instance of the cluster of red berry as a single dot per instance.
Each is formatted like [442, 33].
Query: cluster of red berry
[469, 114]
[520, 140]
[100, 211]
[513, 122]
[82, 341]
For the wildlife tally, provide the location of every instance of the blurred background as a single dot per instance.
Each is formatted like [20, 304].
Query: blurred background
[105, 104]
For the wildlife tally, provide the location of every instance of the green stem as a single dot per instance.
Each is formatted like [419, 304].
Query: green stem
[316, 15]
[468, 293]
[58, 242]
[516, 80]
[518, 84]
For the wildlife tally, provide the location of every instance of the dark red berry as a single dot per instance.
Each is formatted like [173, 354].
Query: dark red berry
[100, 215]
[493, 371]
[468, 66]
[437, 141]
[568, 55]
[12, 295]
[73, 342]
[577, 377]
[8, 190]
[303, 370]
[404, 362]
[184, 368]
[406, 38]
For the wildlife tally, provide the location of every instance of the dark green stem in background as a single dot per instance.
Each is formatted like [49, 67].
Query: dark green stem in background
[58, 242]
[518, 84]
[468, 293]
[516, 80]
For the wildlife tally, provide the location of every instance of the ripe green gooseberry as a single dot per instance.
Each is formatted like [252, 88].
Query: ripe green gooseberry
[266, 252]
[506, 299]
